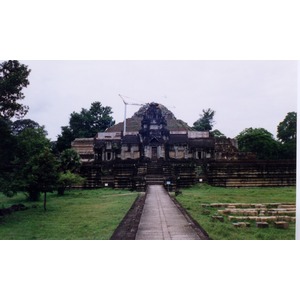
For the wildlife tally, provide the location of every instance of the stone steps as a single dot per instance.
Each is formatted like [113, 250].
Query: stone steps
[252, 205]
[256, 173]
[263, 219]
[154, 180]
[258, 212]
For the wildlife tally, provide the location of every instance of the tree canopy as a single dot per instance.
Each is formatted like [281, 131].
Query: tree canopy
[40, 175]
[287, 135]
[217, 134]
[259, 141]
[205, 122]
[85, 124]
[20, 125]
[13, 78]
[69, 161]
[31, 143]
[286, 130]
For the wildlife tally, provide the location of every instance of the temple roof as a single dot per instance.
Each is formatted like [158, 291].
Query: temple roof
[178, 139]
[134, 123]
[131, 139]
[202, 142]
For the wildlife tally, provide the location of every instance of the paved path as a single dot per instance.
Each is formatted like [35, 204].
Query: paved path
[162, 220]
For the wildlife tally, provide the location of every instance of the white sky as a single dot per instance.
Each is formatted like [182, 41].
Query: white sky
[243, 93]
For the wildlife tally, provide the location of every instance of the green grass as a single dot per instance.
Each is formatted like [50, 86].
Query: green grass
[193, 198]
[79, 215]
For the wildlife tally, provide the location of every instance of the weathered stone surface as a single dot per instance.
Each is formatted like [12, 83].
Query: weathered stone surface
[281, 224]
[241, 224]
[154, 135]
[262, 224]
[252, 173]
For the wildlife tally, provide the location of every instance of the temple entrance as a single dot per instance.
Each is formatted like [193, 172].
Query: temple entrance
[154, 153]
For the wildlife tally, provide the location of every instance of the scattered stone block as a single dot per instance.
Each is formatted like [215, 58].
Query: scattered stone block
[265, 219]
[231, 206]
[219, 205]
[241, 224]
[262, 224]
[286, 218]
[259, 205]
[287, 206]
[252, 212]
[281, 214]
[281, 224]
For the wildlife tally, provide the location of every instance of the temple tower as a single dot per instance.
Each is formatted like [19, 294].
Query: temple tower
[153, 134]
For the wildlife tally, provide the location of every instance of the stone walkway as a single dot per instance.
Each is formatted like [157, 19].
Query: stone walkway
[162, 220]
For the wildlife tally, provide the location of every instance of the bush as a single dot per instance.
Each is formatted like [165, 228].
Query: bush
[67, 180]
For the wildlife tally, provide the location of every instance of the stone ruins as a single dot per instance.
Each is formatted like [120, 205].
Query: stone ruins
[159, 149]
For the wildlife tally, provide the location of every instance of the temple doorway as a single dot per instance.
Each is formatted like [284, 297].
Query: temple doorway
[154, 153]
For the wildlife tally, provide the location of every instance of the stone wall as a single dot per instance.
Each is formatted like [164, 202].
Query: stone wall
[257, 173]
[135, 174]
[85, 148]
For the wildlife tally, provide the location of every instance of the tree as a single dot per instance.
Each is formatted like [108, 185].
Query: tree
[259, 141]
[65, 139]
[287, 135]
[205, 122]
[13, 78]
[41, 175]
[286, 130]
[88, 123]
[19, 142]
[7, 142]
[85, 124]
[20, 125]
[7, 155]
[217, 134]
[67, 180]
[69, 161]
[69, 164]
[32, 167]
[30, 144]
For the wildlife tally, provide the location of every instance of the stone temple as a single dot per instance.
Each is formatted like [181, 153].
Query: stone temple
[157, 148]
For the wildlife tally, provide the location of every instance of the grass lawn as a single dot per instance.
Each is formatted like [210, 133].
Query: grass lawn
[193, 198]
[79, 215]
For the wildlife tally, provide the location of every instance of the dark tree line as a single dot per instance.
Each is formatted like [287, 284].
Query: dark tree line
[29, 162]
[259, 140]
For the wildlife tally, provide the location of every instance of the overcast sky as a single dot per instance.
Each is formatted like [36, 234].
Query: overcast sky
[243, 93]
